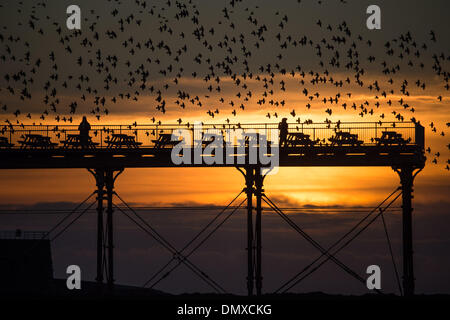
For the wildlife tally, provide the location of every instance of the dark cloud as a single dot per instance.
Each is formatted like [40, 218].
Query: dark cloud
[223, 256]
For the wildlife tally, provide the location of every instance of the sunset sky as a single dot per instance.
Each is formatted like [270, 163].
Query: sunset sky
[327, 190]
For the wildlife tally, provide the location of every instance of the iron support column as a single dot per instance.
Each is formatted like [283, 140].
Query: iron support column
[249, 180]
[99, 177]
[109, 175]
[105, 179]
[406, 179]
[258, 193]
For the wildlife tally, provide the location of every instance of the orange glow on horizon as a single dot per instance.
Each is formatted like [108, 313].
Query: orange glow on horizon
[295, 186]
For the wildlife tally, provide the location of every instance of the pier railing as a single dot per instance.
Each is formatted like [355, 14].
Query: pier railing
[367, 132]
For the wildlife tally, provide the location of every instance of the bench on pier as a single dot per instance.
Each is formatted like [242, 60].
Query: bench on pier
[345, 139]
[119, 141]
[299, 139]
[391, 138]
[36, 141]
[75, 141]
[164, 141]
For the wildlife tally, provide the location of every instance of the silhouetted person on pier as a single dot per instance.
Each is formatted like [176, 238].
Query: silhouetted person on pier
[84, 129]
[283, 127]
